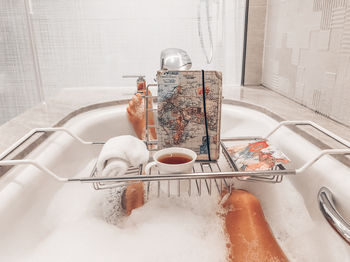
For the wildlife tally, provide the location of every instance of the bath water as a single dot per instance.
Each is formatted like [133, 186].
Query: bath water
[171, 229]
[74, 228]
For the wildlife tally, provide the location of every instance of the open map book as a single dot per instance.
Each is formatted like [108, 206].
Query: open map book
[187, 117]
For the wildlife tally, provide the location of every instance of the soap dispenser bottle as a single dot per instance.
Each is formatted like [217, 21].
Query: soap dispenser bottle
[140, 82]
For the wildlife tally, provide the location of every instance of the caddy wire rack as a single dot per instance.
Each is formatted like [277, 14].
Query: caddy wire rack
[207, 175]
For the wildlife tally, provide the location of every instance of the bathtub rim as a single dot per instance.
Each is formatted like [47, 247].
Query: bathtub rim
[35, 142]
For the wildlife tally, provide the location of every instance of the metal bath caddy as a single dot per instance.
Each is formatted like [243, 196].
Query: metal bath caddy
[206, 176]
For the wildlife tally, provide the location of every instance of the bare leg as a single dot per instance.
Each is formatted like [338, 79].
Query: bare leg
[249, 234]
[137, 116]
[134, 194]
[133, 197]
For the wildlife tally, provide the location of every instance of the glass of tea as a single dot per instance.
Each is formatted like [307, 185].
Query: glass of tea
[173, 160]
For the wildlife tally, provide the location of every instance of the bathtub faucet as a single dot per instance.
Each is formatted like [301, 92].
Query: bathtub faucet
[175, 59]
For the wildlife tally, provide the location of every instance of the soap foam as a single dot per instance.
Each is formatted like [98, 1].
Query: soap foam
[79, 222]
[171, 229]
[113, 211]
[301, 236]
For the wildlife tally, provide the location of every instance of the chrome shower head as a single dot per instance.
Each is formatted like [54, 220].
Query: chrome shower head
[175, 59]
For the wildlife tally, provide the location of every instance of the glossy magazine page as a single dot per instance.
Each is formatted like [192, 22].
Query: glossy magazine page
[256, 155]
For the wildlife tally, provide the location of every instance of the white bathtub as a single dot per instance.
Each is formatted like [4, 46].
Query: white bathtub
[291, 207]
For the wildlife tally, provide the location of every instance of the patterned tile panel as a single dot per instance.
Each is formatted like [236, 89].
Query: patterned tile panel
[345, 43]
[338, 15]
[311, 46]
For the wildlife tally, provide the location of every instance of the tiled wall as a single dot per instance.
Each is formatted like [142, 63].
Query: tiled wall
[17, 78]
[95, 42]
[92, 43]
[307, 54]
[255, 42]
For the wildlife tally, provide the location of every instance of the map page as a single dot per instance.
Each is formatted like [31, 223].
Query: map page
[181, 118]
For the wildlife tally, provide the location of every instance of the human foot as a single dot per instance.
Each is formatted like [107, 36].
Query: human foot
[137, 116]
[133, 197]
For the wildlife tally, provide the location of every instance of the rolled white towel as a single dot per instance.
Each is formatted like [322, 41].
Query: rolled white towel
[118, 153]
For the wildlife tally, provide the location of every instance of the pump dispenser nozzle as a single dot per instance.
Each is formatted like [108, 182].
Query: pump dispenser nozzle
[140, 82]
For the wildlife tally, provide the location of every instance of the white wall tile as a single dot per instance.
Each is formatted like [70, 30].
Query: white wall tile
[84, 43]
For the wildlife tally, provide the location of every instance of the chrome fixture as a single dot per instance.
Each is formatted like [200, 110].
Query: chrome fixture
[175, 59]
[140, 82]
[139, 77]
[329, 211]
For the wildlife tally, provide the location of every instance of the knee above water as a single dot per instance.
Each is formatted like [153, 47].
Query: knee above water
[241, 198]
